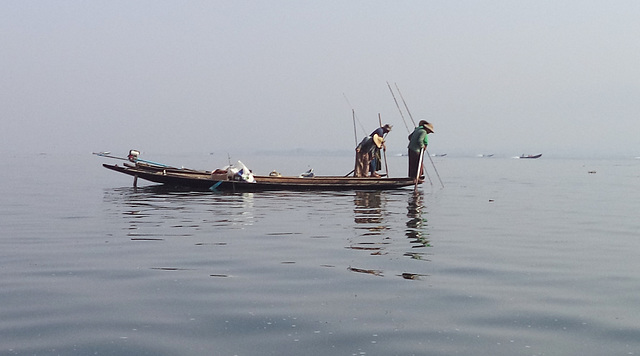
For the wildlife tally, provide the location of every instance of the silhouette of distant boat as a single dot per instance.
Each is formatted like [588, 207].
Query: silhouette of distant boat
[531, 156]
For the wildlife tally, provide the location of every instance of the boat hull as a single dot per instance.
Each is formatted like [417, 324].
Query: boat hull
[201, 180]
[531, 156]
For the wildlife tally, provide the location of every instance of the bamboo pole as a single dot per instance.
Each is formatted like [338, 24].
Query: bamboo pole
[384, 149]
[414, 123]
[405, 104]
[435, 169]
[398, 106]
[419, 169]
[355, 133]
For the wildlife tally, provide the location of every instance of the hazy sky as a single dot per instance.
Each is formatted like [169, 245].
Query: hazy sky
[510, 77]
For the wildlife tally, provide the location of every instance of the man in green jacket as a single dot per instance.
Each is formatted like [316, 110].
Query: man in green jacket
[418, 141]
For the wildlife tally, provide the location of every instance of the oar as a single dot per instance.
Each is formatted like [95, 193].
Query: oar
[419, 168]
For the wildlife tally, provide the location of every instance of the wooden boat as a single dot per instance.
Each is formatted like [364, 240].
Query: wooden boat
[220, 181]
[531, 156]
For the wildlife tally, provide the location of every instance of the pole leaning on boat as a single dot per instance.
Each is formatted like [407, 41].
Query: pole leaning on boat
[384, 149]
[417, 179]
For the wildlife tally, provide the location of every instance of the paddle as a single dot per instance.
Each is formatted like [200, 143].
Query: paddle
[419, 168]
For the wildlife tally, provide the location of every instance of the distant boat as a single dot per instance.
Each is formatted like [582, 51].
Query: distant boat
[482, 155]
[438, 155]
[531, 156]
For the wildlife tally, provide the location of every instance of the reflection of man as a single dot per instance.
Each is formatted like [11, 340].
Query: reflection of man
[369, 215]
[367, 208]
[416, 223]
[418, 141]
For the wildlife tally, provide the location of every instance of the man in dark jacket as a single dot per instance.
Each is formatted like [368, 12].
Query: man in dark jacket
[366, 152]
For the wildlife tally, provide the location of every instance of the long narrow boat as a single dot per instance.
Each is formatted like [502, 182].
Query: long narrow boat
[205, 180]
[531, 156]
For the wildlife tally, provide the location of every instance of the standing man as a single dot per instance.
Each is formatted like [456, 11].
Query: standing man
[418, 141]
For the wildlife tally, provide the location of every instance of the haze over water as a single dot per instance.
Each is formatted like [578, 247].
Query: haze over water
[511, 257]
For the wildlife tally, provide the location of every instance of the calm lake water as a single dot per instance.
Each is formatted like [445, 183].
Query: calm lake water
[511, 257]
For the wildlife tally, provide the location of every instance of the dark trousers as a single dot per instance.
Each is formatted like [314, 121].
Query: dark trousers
[414, 160]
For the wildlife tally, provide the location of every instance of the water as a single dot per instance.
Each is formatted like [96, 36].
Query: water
[512, 257]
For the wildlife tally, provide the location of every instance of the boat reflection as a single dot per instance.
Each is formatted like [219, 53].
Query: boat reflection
[151, 213]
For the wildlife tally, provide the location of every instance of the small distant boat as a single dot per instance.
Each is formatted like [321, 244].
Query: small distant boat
[531, 156]
[438, 155]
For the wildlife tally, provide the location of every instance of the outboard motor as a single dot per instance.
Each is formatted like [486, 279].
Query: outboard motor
[133, 155]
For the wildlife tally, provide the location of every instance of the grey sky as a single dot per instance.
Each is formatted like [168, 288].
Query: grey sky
[511, 77]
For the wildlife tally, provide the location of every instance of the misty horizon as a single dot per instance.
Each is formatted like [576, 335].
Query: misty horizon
[494, 77]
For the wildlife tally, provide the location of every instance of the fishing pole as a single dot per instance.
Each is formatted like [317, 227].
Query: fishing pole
[355, 133]
[405, 104]
[384, 147]
[398, 106]
[354, 116]
[430, 159]
[108, 155]
[355, 136]
[434, 168]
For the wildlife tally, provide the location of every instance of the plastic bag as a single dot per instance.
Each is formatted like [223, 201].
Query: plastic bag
[240, 172]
